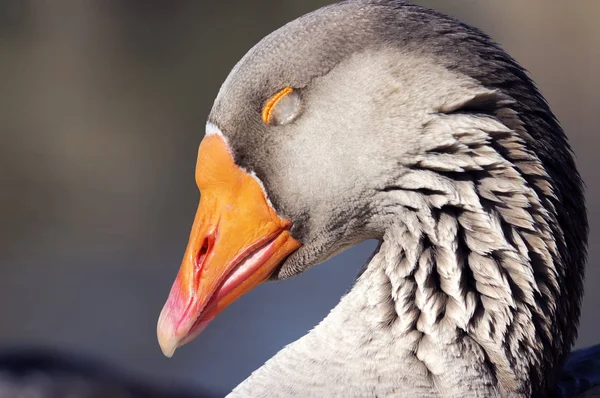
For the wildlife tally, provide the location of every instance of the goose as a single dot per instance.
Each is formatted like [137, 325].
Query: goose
[380, 119]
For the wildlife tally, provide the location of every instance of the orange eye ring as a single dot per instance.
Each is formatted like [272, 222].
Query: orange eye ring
[267, 112]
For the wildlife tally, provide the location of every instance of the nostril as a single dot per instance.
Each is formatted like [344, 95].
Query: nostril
[204, 249]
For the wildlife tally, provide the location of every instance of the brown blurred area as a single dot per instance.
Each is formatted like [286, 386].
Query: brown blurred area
[102, 107]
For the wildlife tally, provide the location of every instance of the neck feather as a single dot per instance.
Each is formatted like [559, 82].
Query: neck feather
[477, 235]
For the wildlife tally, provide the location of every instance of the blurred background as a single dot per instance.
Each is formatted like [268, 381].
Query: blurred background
[102, 107]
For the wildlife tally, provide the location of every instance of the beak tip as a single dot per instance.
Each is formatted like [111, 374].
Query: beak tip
[166, 335]
[167, 345]
[168, 351]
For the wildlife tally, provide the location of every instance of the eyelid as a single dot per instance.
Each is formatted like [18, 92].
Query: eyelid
[270, 105]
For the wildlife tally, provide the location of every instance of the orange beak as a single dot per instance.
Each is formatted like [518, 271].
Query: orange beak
[236, 243]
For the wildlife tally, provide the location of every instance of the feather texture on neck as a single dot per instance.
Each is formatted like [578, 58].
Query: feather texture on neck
[461, 296]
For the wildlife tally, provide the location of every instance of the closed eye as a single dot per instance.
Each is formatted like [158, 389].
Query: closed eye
[282, 108]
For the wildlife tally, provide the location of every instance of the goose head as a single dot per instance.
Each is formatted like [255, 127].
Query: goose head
[363, 116]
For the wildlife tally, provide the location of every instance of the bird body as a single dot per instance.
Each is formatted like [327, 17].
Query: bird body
[407, 126]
